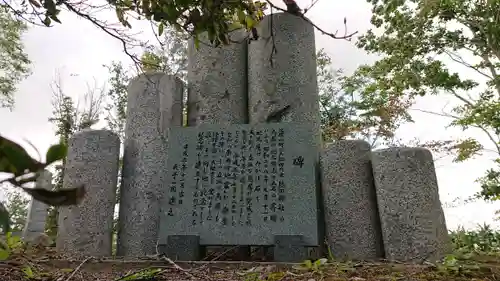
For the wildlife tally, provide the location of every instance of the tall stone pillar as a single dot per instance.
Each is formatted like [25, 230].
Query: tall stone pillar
[86, 229]
[217, 82]
[351, 215]
[282, 82]
[37, 211]
[154, 105]
[412, 218]
[217, 90]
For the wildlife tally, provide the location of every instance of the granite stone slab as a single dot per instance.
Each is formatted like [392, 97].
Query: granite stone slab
[217, 88]
[240, 184]
[86, 229]
[282, 82]
[351, 215]
[412, 218]
[154, 105]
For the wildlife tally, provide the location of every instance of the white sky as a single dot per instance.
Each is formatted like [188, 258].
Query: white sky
[77, 47]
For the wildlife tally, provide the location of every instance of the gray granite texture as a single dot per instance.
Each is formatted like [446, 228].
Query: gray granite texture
[282, 82]
[217, 92]
[412, 218]
[290, 248]
[154, 105]
[351, 215]
[37, 211]
[217, 81]
[241, 184]
[182, 248]
[92, 161]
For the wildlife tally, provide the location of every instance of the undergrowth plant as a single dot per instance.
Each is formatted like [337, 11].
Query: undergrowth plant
[9, 245]
[483, 241]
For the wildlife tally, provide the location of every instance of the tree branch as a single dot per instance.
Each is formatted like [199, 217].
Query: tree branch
[332, 35]
[107, 30]
[310, 7]
[457, 58]
[488, 134]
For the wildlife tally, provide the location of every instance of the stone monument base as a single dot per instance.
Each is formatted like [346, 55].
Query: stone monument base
[287, 248]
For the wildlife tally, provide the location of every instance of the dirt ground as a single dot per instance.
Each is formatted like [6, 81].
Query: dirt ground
[49, 267]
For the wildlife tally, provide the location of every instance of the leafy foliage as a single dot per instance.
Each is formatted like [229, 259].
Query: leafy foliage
[490, 183]
[316, 266]
[14, 62]
[117, 98]
[217, 18]
[16, 204]
[214, 18]
[484, 240]
[9, 245]
[16, 161]
[422, 43]
[347, 112]
[170, 57]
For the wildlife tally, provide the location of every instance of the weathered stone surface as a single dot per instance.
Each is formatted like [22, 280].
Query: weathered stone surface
[282, 82]
[289, 248]
[351, 215]
[282, 86]
[217, 90]
[154, 105]
[86, 229]
[37, 211]
[413, 223]
[241, 206]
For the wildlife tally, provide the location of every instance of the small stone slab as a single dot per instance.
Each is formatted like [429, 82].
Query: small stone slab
[182, 247]
[289, 248]
[412, 218]
[241, 184]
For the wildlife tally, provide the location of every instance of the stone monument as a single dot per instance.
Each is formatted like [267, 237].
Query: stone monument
[217, 89]
[413, 224]
[351, 215]
[154, 104]
[86, 229]
[217, 93]
[240, 185]
[246, 171]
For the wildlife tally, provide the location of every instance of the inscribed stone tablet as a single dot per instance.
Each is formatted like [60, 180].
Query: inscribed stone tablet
[241, 184]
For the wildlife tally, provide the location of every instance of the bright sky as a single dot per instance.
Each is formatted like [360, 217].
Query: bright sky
[78, 51]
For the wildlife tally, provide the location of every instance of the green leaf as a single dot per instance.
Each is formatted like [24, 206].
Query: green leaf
[54, 18]
[196, 42]
[55, 153]
[4, 254]
[160, 28]
[64, 197]
[15, 160]
[250, 22]
[235, 26]
[28, 272]
[47, 21]
[14, 241]
[241, 16]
